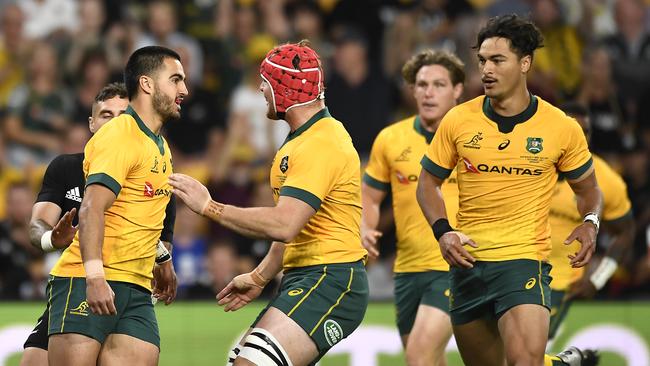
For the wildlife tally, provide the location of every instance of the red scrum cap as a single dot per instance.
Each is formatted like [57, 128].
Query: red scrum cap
[294, 73]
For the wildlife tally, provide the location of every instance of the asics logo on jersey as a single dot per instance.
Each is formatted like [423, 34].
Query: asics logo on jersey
[530, 283]
[148, 189]
[474, 142]
[404, 155]
[504, 144]
[73, 194]
[470, 167]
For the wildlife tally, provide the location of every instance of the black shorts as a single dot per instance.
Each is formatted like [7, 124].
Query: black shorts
[38, 337]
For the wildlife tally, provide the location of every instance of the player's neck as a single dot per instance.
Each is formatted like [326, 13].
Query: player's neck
[429, 125]
[513, 104]
[145, 110]
[297, 116]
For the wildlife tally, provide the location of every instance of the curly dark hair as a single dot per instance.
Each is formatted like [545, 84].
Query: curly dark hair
[434, 57]
[524, 36]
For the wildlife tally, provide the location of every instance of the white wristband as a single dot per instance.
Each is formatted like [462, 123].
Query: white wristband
[605, 270]
[46, 241]
[162, 254]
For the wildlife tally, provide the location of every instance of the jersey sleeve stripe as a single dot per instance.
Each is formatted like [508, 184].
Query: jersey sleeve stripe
[374, 183]
[307, 197]
[434, 168]
[579, 171]
[105, 180]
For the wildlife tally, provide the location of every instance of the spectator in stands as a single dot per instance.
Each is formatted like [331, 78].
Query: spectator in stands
[13, 51]
[45, 18]
[190, 247]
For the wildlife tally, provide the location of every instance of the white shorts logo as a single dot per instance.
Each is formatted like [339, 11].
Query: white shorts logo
[333, 332]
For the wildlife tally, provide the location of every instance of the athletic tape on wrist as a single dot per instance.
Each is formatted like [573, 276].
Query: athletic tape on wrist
[603, 272]
[94, 268]
[162, 254]
[46, 241]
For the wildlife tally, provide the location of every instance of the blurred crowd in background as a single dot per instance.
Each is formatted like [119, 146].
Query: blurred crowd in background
[55, 55]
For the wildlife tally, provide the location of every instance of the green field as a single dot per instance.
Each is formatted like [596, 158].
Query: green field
[201, 333]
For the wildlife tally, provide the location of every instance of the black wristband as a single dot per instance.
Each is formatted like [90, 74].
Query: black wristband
[440, 228]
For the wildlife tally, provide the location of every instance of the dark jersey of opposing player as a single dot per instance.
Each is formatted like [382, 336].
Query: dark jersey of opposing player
[63, 185]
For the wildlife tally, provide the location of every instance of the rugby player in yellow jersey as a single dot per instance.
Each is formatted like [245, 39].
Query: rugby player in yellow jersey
[509, 146]
[618, 222]
[421, 279]
[100, 290]
[314, 224]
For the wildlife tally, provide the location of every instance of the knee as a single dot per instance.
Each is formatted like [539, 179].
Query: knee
[423, 352]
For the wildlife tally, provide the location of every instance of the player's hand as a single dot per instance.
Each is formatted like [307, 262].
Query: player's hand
[583, 289]
[451, 247]
[165, 282]
[369, 238]
[100, 296]
[63, 232]
[239, 292]
[585, 233]
[191, 191]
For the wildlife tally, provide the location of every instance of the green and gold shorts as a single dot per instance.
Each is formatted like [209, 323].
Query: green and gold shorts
[70, 313]
[492, 288]
[327, 301]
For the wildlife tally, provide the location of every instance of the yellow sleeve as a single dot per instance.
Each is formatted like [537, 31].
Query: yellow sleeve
[576, 159]
[312, 172]
[615, 200]
[377, 174]
[107, 162]
[441, 155]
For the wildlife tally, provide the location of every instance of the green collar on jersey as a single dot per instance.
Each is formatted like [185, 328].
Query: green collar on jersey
[507, 124]
[157, 139]
[417, 125]
[323, 113]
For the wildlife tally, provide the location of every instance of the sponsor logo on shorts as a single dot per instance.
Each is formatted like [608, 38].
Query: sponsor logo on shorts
[333, 332]
[82, 309]
[447, 292]
[295, 292]
[530, 283]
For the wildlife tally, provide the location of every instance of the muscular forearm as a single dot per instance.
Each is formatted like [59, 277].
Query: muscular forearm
[370, 215]
[91, 234]
[589, 200]
[430, 199]
[256, 222]
[271, 265]
[37, 228]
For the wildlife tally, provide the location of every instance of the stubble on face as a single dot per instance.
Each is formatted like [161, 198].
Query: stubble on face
[165, 106]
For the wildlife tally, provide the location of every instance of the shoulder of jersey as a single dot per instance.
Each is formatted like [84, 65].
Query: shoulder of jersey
[471, 106]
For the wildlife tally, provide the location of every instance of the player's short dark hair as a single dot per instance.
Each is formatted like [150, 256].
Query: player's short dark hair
[111, 90]
[575, 109]
[427, 57]
[145, 61]
[523, 35]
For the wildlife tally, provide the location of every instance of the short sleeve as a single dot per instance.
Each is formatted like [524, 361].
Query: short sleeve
[616, 203]
[441, 155]
[377, 174]
[167, 233]
[53, 189]
[576, 159]
[108, 158]
[312, 172]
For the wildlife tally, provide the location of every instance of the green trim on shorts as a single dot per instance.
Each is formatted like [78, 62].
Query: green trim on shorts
[413, 289]
[492, 288]
[70, 312]
[560, 304]
[331, 309]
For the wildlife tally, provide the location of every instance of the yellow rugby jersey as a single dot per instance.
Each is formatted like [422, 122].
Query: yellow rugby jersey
[507, 169]
[394, 165]
[564, 217]
[318, 165]
[134, 163]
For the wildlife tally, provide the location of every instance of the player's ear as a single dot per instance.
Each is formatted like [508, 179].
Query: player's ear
[146, 84]
[458, 90]
[525, 63]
